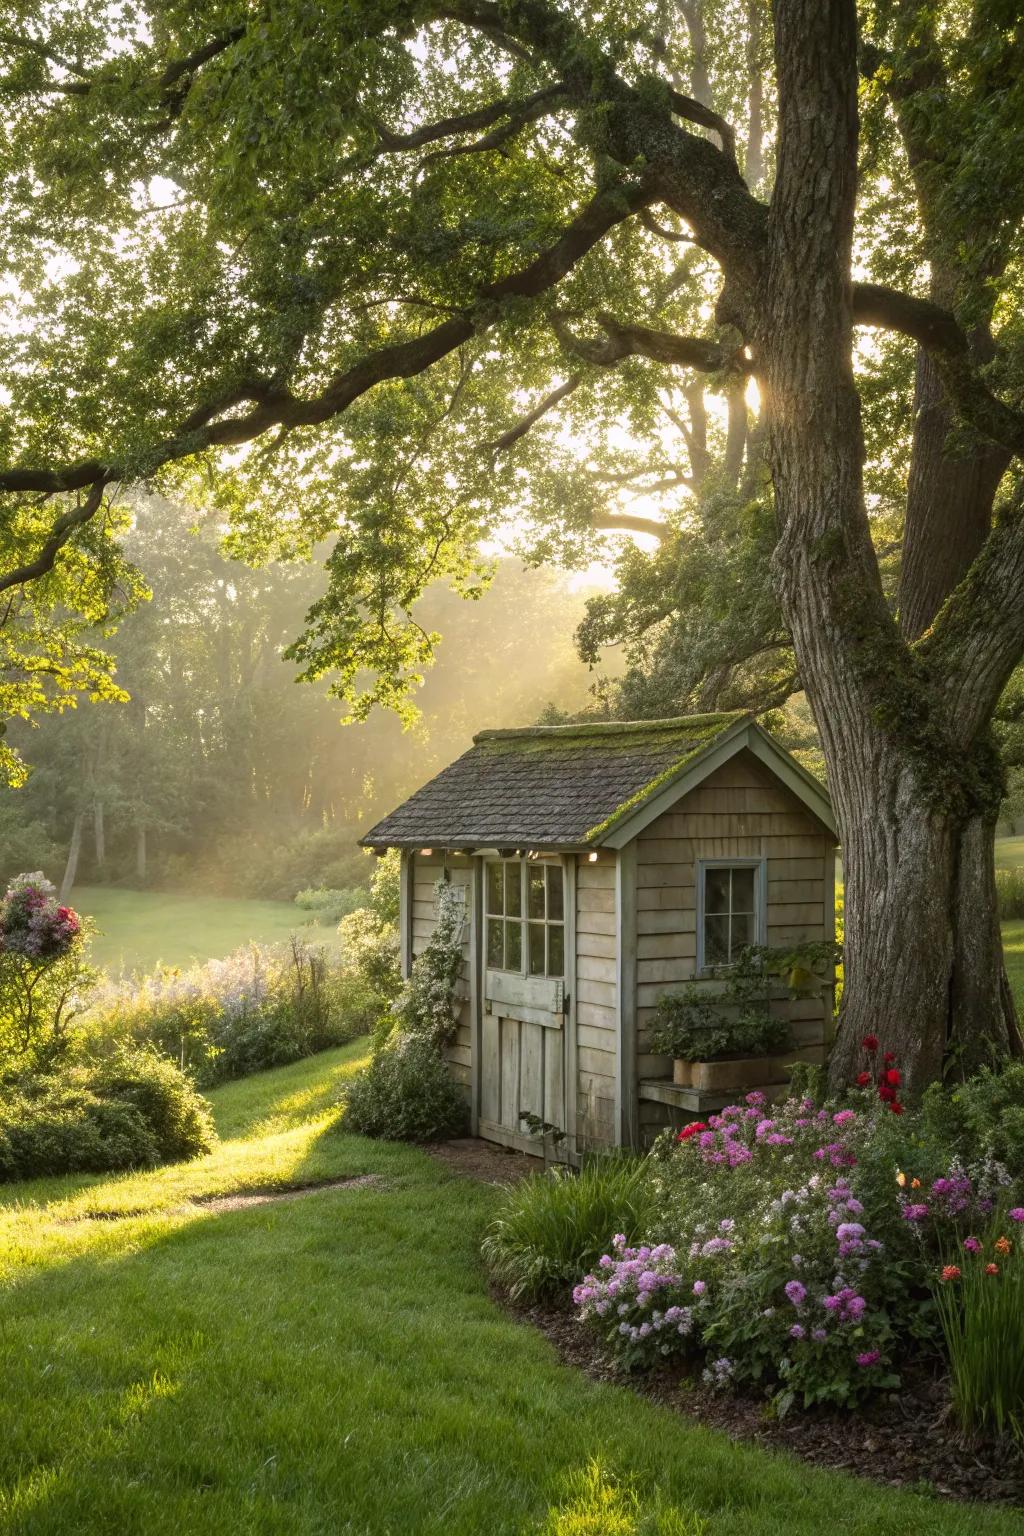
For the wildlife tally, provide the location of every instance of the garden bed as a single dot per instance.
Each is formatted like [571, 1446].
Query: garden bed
[907, 1440]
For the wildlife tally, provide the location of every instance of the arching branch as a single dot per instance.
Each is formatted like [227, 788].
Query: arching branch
[59, 534]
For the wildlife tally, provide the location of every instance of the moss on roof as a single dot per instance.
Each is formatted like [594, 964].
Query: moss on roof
[549, 786]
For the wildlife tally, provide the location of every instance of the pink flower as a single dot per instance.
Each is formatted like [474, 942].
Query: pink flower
[972, 1245]
[869, 1357]
[1017, 1214]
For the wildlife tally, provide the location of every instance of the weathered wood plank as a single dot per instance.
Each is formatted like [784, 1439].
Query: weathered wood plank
[490, 1076]
[676, 969]
[665, 946]
[594, 968]
[553, 1087]
[531, 1069]
[795, 914]
[600, 1062]
[596, 992]
[510, 1074]
[599, 946]
[590, 922]
[595, 900]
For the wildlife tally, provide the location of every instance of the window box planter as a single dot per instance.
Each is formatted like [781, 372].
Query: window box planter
[729, 1073]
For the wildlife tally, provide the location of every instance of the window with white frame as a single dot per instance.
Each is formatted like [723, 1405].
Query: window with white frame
[525, 917]
[730, 915]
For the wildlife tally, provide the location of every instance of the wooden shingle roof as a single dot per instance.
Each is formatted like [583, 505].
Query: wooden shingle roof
[550, 787]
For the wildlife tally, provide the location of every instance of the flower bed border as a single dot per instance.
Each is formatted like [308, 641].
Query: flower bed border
[906, 1440]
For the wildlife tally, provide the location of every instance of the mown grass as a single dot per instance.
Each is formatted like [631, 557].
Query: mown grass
[332, 1365]
[140, 930]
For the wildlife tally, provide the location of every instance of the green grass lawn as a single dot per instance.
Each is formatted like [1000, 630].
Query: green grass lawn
[142, 929]
[1009, 852]
[333, 1364]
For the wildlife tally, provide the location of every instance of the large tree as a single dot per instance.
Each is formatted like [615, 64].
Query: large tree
[338, 267]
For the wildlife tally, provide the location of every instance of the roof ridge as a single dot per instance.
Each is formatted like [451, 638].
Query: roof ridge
[614, 727]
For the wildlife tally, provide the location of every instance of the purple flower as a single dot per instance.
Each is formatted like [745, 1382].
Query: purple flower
[699, 1287]
[796, 1292]
[972, 1245]
[1017, 1214]
[915, 1212]
[869, 1357]
[819, 1335]
[797, 1331]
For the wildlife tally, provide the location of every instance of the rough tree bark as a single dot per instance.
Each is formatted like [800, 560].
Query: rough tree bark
[912, 782]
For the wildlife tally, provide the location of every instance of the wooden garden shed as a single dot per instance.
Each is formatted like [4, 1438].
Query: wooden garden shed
[602, 865]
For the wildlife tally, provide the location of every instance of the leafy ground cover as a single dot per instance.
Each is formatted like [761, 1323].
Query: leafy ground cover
[333, 1364]
[140, 930]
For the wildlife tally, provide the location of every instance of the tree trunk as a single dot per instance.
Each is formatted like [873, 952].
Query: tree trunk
[915, 791]
[99, 833]
[140, 852]
[71, 867]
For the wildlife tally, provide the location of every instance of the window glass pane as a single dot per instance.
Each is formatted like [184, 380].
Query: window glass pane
[494, 888]
[742, 932]
[513, 890]
[535, 896]
[555, 881]
[495, 943]
[514, 946]
[716, 941]
[716, 890]
[536, 949]
[556, 950]
[743, 890]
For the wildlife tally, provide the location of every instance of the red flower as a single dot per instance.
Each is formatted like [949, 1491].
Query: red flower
[889, 1058]
[886, 1094]
[991, 1269]
[951, 1272]
[863, 1078]
[892, 1077]
[870, 1043]
[896, 1107]
[691, 1130]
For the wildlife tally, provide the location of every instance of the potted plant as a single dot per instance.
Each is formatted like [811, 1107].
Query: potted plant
[729, 1038]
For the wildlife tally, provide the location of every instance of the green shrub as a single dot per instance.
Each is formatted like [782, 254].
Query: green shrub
[981, 1119]
[132, 1111]
[980, 1301]
[1010, 892]
[554, 1226]
[406, 1093]
[329, 906]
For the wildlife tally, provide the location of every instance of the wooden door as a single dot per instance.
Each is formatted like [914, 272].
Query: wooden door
[523, 1029]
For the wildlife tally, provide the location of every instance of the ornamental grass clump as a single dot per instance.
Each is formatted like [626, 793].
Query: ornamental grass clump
[980, 1301]
[553, 1226]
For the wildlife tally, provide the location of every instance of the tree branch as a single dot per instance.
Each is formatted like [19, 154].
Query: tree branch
[207, 427]
[470, 122]
[522, 426]
[60, 533]
[629, 522]
[621, 341]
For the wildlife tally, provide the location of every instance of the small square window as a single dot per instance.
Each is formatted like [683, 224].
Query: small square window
[731, 916]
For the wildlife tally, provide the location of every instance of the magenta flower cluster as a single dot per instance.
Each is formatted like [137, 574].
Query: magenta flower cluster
[740, 1132]
[32, 922]
[949, 1197]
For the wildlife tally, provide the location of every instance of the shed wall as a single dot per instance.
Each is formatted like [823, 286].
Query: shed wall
[739, 811]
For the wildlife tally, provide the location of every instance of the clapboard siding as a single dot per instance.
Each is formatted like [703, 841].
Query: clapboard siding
[597, 1016]
[740, 811]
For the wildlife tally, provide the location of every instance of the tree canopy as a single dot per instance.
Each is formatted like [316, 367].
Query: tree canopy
[394, 274]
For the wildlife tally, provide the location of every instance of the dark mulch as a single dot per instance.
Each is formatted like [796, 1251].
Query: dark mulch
[908, 1440]
[484, 1160]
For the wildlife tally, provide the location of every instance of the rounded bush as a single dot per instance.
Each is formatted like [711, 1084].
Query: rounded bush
[406, 1094]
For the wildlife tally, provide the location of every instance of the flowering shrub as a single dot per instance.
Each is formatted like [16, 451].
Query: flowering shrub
[632, 1298]
[32, 924]
[44, 975]
[407, 1093]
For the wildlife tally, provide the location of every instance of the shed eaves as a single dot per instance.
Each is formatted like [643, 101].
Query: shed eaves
[546, 786]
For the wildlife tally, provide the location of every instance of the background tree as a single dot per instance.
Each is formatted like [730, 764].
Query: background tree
[428, 259]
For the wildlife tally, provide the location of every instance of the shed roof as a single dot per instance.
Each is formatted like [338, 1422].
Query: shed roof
[569, 786]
